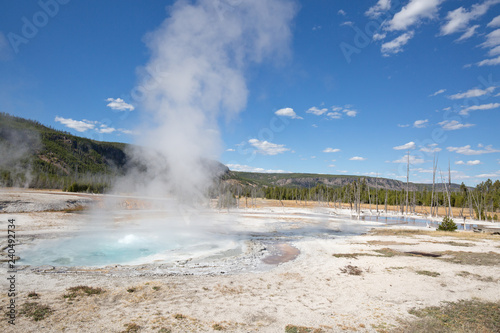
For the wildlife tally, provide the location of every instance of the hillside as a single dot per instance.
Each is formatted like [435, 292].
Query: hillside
[308, 180]
[38, 156]
[41, 157]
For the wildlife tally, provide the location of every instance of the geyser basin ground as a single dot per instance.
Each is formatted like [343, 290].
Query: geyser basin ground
[237, 240]
[312, 290]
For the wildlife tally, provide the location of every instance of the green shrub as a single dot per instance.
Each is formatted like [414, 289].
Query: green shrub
[447, 224]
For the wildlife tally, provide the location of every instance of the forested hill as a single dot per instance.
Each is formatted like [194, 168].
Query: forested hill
[41, 157]
[308, 180]
[38, 156]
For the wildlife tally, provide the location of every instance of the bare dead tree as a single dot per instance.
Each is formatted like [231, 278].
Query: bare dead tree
[407, 180]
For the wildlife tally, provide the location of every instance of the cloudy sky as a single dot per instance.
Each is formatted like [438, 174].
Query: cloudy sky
[357, 85]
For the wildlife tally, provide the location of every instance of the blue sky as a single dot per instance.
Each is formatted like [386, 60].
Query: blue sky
[358, 84]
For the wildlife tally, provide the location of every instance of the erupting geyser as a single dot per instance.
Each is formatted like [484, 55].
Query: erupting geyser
[195, 76]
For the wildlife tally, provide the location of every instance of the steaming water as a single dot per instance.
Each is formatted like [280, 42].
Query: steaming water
[89, 250]
[145, 240]
[122, 248]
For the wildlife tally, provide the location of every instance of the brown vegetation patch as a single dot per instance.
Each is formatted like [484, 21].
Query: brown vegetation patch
[462, 316]
[476, 276]
[471, 258]
[471, 236]
[35, 310]
[387, 243]
[453, 243]
[351, 270]
[301, 329]
[82, 291]
[427, 273]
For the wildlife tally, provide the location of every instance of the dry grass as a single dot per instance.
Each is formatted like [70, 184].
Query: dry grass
[35, 310]
[471, 258]
[460, 317]
[301, 329]
[349, 255]
[82, 291]
[387, 243]
[351, 270]
[131, 328]
[453, 243]
[225, 290]
[471, 236]
[427, 273]
[476, 276]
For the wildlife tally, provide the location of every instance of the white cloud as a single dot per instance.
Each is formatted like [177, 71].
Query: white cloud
[492, 39]
[468, 33]
[488, 175]
[77, 125]
[420, 170]
[348, 23]
[267, 148]
[458, 19]
[413, 160]
[495, 22]
[489, 62]
[331, 165]
[331, 150]
[421, 123]
[440, 91]
[494, 51]
[467, 150]
[357, 158]
[341, 12]
[105, 129]
[126, 131]
[119, 104]
[406, 146]
[350, 113]
[432, 148]
[474, 162]
[378, 36]
[489, 106]
[403, 126]
[460, 163]
[230, 149]
[246, 168]
[287, 112]
[396, 45]
[413, 13]
[475, 92]
[334, 115]
[451, 125]
[316, 111]
[378, 9]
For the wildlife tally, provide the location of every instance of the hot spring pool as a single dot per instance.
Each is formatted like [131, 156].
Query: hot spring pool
[122, 248]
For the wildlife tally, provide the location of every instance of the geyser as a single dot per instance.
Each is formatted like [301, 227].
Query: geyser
[195, 76]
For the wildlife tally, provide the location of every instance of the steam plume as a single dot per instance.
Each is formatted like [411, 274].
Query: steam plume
[196, 75]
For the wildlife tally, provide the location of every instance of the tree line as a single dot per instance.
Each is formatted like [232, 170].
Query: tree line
[482, 201]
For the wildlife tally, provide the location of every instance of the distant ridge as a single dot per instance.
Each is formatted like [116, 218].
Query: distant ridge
[308, 180]
[38, 156]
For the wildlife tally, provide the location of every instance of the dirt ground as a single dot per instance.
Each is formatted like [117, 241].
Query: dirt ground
[339, 281]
